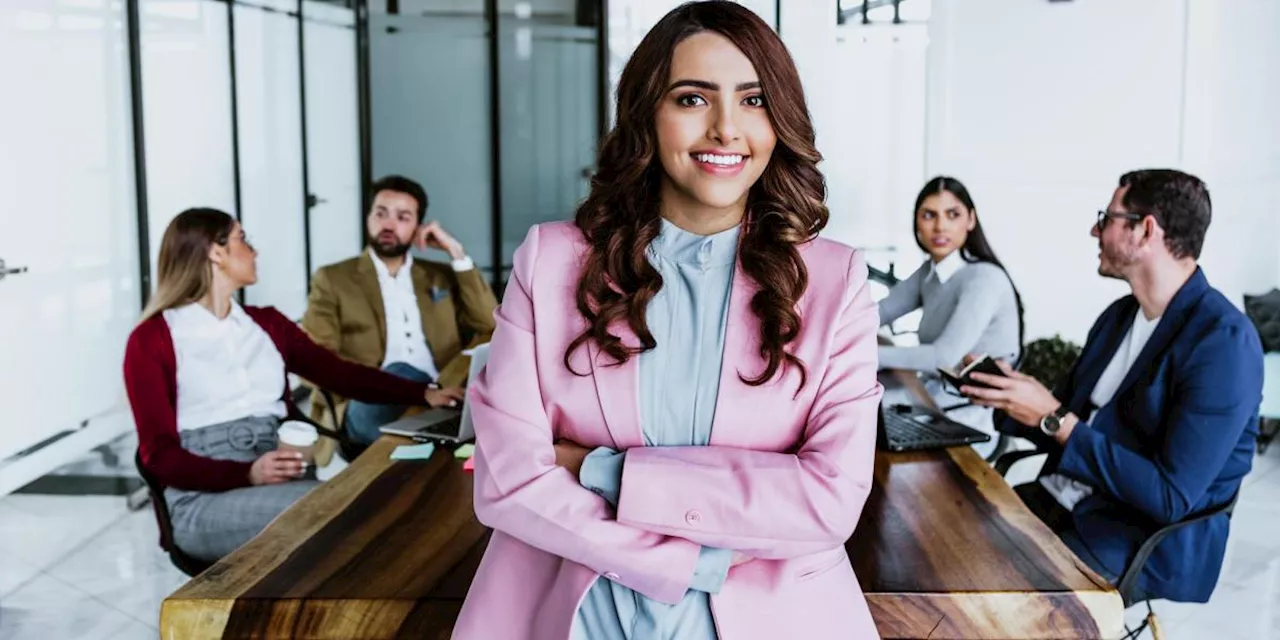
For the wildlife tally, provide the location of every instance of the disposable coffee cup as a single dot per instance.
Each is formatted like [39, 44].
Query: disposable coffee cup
[300, 437]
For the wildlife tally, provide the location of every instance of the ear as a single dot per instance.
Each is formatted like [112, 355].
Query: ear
[973, 220]
[1151, 230]
[217, 254]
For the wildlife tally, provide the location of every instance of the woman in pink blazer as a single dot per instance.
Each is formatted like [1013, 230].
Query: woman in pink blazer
[677, 425]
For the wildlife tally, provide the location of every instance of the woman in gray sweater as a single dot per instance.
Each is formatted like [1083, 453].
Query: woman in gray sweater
[969, 302]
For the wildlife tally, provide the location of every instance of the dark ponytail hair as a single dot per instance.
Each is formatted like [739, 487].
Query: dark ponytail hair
[976, 248]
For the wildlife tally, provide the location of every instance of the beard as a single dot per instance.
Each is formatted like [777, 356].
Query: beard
[1114, 260]
[387, 246]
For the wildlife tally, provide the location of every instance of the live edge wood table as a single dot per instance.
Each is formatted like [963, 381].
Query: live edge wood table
[387, 550]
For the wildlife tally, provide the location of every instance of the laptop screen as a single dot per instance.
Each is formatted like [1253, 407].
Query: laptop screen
[479, 358]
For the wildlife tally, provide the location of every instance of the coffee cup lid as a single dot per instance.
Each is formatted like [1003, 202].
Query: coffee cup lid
[298, 434]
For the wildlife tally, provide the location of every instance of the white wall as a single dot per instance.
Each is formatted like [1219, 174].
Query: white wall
[1231, 138]
[1039, 107]
[874, 146]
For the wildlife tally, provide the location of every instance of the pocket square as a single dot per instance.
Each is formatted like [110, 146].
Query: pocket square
[438, 294]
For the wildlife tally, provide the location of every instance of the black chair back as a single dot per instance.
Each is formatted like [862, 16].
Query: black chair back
[1129, 581]
[187, 564]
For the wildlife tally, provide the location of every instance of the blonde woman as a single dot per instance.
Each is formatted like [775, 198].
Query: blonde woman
[206, 380]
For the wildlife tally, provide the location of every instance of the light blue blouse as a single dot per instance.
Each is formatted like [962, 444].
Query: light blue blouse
[679, 382]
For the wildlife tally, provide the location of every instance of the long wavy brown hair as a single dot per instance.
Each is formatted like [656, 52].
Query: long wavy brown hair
[620, 217]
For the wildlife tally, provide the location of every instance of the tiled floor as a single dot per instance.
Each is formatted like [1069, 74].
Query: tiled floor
[86, 568]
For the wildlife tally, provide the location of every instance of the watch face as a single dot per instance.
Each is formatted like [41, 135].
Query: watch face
[1050, 424]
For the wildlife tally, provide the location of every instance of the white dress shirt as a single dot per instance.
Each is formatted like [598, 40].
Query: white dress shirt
[405, 340]
[228, 369]
[948, 267]
[1069, 492]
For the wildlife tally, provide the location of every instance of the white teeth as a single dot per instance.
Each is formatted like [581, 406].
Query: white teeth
[711, 158]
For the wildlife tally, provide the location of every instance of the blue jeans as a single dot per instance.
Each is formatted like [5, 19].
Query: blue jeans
[363, 419]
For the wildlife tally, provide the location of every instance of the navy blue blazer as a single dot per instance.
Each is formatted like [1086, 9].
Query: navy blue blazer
[1177, 438]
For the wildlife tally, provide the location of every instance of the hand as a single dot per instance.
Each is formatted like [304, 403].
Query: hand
[1019, 395]
[451, 397]
[570, 456]
[275, 467]
[432, 235]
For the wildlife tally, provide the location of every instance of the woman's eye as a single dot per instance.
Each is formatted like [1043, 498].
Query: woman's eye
[690, 100]
[754, 101]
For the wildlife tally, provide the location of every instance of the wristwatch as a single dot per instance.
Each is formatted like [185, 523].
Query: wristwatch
[1052, 423]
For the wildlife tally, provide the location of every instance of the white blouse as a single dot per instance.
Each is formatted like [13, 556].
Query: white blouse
[228, 369]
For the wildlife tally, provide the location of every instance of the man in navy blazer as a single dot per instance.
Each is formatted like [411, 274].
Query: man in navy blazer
[1157, 420]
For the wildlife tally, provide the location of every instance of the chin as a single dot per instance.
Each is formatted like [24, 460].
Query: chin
[721, 196]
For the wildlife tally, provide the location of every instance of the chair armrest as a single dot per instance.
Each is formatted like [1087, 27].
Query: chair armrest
[1130, 577]
[1005, 462]
[295, 414]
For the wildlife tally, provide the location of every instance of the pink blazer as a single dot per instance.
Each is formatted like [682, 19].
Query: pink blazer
[784, 480]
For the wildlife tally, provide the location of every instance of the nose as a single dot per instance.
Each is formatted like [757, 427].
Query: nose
[724, 128]
[1094, 231]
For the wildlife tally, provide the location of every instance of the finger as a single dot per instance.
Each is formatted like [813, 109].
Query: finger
[999, 382]
[458, 394]
[1004, 366]
[980, 393]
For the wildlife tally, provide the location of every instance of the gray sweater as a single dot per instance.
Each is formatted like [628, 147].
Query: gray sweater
[974, 311]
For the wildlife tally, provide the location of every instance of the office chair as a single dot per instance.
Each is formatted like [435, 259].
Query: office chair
[1127, 586]
[185, 563]
[189, 565]
[1128, 583]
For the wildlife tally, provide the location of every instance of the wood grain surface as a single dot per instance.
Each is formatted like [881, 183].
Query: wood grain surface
[387, 550]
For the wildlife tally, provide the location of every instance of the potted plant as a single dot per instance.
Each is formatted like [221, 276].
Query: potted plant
[1049, 360]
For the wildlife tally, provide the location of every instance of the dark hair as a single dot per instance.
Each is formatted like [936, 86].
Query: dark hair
[620, 217]
[1178, 201]
[399, 184]
[976, 248]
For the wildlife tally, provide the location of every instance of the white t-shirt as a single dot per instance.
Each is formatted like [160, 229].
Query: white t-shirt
[1069, 492]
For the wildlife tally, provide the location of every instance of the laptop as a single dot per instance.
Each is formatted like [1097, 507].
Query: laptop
[443, 424]
[904, 427]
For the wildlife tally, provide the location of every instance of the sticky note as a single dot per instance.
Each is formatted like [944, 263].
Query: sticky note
[464, 452]
[414, 451]
[470, 465]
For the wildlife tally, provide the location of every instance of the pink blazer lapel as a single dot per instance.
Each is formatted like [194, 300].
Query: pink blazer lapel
[618, 387]
[741, 356]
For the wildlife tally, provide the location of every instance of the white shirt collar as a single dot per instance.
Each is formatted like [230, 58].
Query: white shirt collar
[948, 267]
[384, 272]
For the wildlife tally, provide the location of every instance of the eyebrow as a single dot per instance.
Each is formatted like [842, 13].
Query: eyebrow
[711, 86]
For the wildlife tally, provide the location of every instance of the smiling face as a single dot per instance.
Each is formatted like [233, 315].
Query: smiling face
[714, 134]
[943, 224]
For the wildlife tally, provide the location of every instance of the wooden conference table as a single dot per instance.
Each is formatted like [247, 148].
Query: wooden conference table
[944, 549]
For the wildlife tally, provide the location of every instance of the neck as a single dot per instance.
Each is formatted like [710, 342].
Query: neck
[218, 299]
[1155, 285]
[693, 217]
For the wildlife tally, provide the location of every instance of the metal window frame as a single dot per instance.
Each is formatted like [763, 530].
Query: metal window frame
[133, 25]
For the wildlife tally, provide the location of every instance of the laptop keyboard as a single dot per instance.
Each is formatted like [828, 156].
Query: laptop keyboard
[907, 433]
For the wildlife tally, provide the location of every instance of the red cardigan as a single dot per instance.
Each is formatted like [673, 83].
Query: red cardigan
[150, 379]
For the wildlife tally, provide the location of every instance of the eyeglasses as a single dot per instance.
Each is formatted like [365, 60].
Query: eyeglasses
[243, 237]
[1104, 215]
